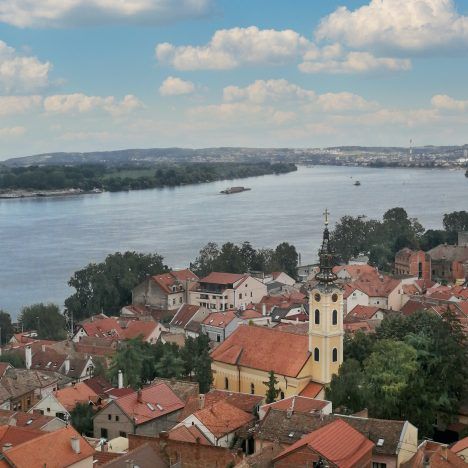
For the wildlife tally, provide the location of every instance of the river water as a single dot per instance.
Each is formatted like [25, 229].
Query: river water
[43, 241]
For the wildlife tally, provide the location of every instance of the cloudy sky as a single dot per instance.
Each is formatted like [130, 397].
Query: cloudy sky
[83, 75]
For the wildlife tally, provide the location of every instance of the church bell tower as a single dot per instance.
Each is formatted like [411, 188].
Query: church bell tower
[326, 317]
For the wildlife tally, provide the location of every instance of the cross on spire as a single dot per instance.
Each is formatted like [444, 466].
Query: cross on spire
[326, 213]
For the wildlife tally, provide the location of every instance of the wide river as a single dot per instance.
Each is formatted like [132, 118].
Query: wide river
[43, 241]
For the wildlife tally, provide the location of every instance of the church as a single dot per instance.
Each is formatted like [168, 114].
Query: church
[303, 363]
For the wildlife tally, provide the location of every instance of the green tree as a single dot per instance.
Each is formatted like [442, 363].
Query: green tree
[129, 360]
[15, 359]
[359, 346]
[202, 369]
[346, 388]
[272, 392]
[206, 260]
[350, 237]
[6, 328]
[82, 419]
[456, 221]
[46, 319]
[108, 285]
[170, 365]
[387, 374]
[286, 258]
[188, 354]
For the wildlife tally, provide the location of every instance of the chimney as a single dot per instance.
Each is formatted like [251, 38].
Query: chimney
[43, 348]
[75, 444]
[28, 356]
[66, 365]
[264, 310]
[120, 379]
[201, 401]
[139, 396]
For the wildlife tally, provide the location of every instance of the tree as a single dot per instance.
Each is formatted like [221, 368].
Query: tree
[205, 262]
[46, 319]
[188, 354]
[108, 285]
[387, 374]
[82, 419]
[170, 365]
[350, 237]
[129, 360]
[272, 392]
[6, 328]
[359, 346]
[15, 359]
[202, 369]
[456, 221]
[346, 388]
[286, 258]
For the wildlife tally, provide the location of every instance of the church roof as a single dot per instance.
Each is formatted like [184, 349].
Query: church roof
[264, 349]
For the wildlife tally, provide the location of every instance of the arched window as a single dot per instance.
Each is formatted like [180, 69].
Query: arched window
[316, 354]
[282, 395]
[252, 388]
[226, 383]
[335, 317]
[334, 355]
[317, 316]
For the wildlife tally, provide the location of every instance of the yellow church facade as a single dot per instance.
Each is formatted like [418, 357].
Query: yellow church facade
[303, 358]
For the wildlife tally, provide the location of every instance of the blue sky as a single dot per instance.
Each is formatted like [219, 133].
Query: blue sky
[83, 75]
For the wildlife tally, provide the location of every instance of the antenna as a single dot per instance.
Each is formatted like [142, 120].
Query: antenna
[411, 147]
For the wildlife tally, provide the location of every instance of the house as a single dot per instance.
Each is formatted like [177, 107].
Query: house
[335, 444]
[223, 291]
[394, 441]
[147, 412]
[298, 404]
[33, 420]
[58, 449]
[148, 330]
[167, 291]
[449, 263]
[354, 272]
[188, 320]
[218, 422]
[413, 263]
[460, 448]
[143, 456]
[361, 312]
[434, 454]
[99, 326]
[60, 403]
[219, 325]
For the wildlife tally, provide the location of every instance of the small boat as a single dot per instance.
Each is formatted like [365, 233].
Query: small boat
[230, 190]
[357, 182]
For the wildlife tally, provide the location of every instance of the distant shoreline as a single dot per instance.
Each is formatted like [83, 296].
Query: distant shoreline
[18, 194]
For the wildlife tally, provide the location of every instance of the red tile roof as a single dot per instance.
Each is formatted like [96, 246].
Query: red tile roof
[363, 312]
[184, 314]
[376, 287]
[143, 328]
[188, 434]
[311, 390]
[167, 280]
[51, 449]
[106, 327]
[26, 420]
[264, 349]
[299, 404]
[219, 319]
[223, 418]
[338, 442]
[222, 278]
[156, 400]
[69, 397]
[16, 435]
[356, 271]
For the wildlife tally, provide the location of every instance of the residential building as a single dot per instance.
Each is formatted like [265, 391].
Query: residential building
[33, 420]
[298, 404]
[167, 291]
[143, 456]
[146, 412]
[337, 444]
[460, 448]
[219, 325]
[223, 291]
[449, 263]
[413, 263]
[434, 454]
[188, 320]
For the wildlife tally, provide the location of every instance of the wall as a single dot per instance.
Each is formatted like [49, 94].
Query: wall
[114, 427]
[163, 423]
[408, 443]
[52, 404]
[357, 297]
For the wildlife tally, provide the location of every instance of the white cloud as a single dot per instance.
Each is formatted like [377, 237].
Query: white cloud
[12, 132]
[344, 101]
[81, 103]
[173, 86]
[21, 73]
[60, 13]
[410, 26]
[355, 62]
[10, 105]
[230, 48]
[444, 102]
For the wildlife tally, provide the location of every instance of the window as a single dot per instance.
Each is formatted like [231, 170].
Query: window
[252, 388]
[173, 301]
[122, 434]
[316, 354]
[317, 317]
[218, 338]
[335, 317]
[60, 415]
[180, 300]
[116, 418]
[335, 297]
[420, 270]
[379, 465]
[103, 433]
[317, 297]
[334, 355]
[251, 294]
[282, 395]
[48, 410]
[240, 295]
[226, 383]
[109, 417]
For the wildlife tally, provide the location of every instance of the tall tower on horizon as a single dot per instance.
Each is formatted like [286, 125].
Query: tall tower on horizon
[326, 316]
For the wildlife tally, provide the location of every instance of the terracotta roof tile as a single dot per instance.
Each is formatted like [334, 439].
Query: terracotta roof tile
[184, 314]
[17, 435]
[69, 397]
[311, 390]
[167, 280]
[188, 434]
[222, 278]
[106, 327]
[143, 328]
[219, 319]
[264, 349]
[26, 420]
[299, 404]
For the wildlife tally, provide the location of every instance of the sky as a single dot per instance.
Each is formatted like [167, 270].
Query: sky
[88, 75]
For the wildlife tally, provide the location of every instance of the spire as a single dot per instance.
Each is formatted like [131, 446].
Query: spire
[325, 274]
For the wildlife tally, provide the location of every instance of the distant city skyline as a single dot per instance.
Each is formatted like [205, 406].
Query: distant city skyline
[90, 75]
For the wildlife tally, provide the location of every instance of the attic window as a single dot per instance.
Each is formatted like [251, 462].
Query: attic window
[291, 434]
[160, 408]
[29, 421]
[150, 406]
[380, 442]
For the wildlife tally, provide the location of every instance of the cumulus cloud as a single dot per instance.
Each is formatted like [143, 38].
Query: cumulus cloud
[355, 62]
[11, 132]
[10, 105]
[231, 48]
[344, 101]
[444, 102]
[61, 13]
[81, 103]
[409, 26]
[173, 86]
[21, 73]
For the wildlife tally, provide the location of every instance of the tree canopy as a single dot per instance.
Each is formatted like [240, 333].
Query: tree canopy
[6, 328]
[46, 319]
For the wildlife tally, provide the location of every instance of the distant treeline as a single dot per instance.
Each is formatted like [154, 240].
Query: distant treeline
[88, 177]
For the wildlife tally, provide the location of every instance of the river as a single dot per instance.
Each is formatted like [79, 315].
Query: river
[43, 241]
